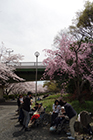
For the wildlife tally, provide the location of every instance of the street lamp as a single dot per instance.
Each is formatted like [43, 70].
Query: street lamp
[9, 51]
[36, 54]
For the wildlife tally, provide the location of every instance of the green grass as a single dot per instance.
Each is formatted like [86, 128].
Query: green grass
[48, 102]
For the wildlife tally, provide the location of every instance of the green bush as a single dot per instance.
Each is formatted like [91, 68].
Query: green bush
[87, 105]
[6, 97]
[12, 96]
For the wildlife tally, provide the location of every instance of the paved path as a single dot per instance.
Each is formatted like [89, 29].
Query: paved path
[10, 129]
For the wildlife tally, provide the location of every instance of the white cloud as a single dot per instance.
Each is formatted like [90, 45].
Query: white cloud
[30, 25]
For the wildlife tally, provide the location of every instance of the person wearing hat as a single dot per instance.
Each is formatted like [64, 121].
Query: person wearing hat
[59, 118]
[26, 109]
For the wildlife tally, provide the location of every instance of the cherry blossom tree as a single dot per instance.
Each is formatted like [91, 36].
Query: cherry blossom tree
[70, 58]
[20, 88]
[7, 56]
[23, 88]
[7, 72]
[41, 89]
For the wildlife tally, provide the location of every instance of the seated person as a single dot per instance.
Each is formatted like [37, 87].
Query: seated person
[61, 116]
[34, 109]
[37, 114]
[56, 109]
[40, 109]
[38, 99]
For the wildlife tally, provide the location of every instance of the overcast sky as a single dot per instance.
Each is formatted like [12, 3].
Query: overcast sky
[27, 26]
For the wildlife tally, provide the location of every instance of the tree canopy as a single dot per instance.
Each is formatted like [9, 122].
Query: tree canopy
[85, 18]
[7, 72]
[71, 57]
[83, 24]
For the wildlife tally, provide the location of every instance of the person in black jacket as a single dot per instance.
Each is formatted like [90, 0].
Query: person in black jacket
[71, 113]
[26, 109]
[33, 109]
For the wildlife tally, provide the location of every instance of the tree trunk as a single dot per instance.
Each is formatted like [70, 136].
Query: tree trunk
[77, 75]
[1, 94]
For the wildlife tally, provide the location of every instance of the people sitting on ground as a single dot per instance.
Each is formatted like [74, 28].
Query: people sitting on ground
[34, 109]
[45, 96]
[37, 114]
[61, 116]
[56, 108]
[38, 99]
[71, 113]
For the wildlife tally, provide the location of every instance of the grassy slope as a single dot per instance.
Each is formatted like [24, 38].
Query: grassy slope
[88, 105]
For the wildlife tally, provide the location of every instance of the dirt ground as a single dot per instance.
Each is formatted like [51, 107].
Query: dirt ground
[10, 129]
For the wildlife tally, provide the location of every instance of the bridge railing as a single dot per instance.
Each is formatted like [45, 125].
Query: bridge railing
[26, 64]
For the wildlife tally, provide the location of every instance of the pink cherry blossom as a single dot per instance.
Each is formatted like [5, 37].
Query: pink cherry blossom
[71, 57]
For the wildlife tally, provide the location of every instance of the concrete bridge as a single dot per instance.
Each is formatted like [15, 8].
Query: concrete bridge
[27, 70]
